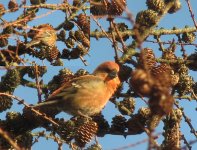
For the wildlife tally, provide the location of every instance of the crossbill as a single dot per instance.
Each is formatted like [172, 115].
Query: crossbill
[85, 95]
[42, 34]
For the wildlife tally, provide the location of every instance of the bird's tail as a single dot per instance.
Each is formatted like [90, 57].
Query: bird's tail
[45, 108]
[48, 107]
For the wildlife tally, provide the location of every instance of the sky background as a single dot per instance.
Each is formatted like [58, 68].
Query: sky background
[100, 51]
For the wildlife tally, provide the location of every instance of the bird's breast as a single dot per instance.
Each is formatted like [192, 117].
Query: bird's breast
[91, 101]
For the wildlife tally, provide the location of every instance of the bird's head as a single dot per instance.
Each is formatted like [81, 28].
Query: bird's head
[108, 70]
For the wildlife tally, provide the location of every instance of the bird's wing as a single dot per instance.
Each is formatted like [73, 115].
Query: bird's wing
[83, 82]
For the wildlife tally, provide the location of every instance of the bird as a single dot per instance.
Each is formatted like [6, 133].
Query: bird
[85, 95]
[42, 34]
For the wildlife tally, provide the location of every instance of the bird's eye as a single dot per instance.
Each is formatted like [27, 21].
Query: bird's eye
[113, 73]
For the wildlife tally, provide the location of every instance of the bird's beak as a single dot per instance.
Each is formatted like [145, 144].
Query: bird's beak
[113, 74]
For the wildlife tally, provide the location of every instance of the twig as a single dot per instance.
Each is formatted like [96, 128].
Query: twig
[169, 42]
[190, 143]
[158, 32]
[120, 37]
[8, 138]
[191, 12]
[182, 47]
[21, 101]
[187, 145]
[187, 120]
[160, 44]
[83, 60]
[103, 31]
[38, 84]
[114, 40]
[137, 143]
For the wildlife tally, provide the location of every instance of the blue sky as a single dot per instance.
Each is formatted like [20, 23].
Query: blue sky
[102, 50]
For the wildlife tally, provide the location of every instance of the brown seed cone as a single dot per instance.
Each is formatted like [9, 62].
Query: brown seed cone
[37, 2]
[153, 121]
[146, 18]
[174, 79]
[125, 73]
[81, 72]
[193, 58]
[103, 125]
[85, 133]
[127, 106]
[80, 36]
[147, 59]
[65, 129]
[175, 7]
[118, 124]
[169, 55]
[101, 9]
[3, 42]
[6, 103]
[64, 76]
[85, 41]
[76, 3]
[84, 22]
[138, 121]
[65, 54]
[156, 5]
[116, 7]
[2, 9]
[162, 75]
[172, 134]
[52, 53]
[141, 82]
[86, 28]
[12, 5]
[188, 37]
[161, 103]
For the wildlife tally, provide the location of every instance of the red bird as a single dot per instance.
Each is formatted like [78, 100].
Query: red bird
[85, 95]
